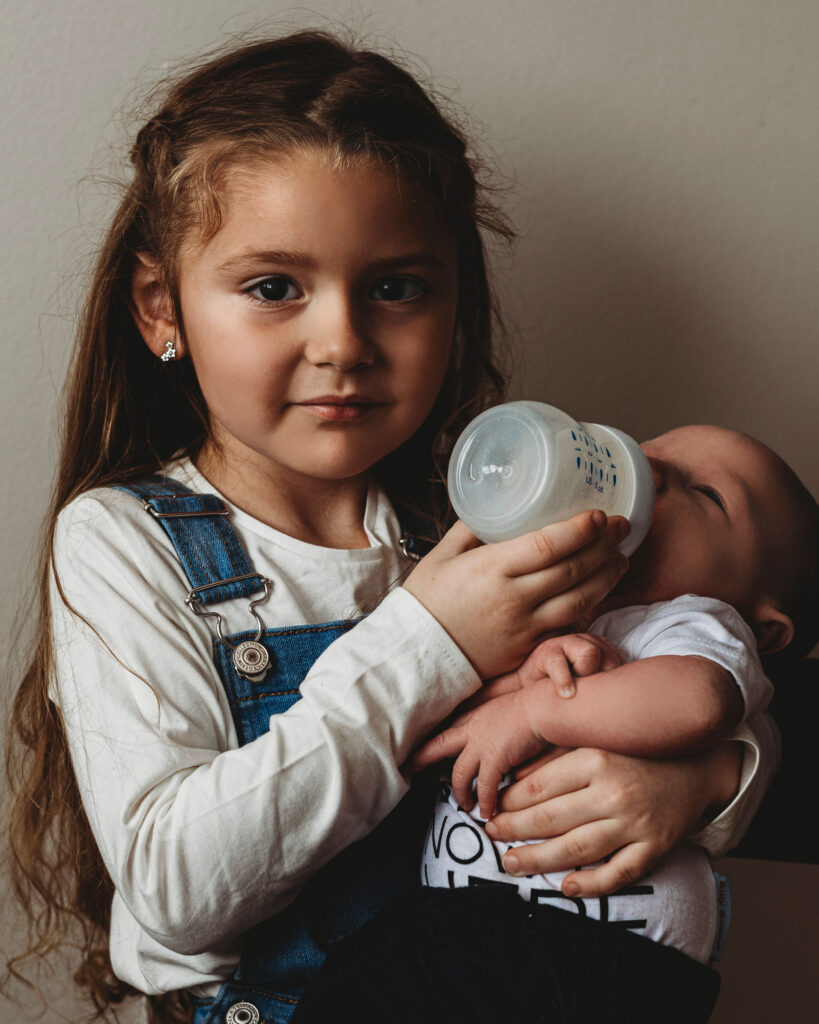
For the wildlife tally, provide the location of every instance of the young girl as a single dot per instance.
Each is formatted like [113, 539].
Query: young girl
[288, 325]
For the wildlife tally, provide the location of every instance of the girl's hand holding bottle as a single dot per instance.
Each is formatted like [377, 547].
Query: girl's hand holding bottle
[498, 601]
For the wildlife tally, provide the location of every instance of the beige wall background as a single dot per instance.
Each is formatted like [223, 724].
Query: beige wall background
[660, 159]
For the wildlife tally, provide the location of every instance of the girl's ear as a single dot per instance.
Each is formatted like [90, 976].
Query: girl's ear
[773, 629]
[152, 309]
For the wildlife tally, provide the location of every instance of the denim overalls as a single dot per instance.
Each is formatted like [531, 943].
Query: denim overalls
[280, 956]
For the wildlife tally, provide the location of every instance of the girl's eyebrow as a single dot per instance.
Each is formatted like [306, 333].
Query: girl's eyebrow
[253, 258]
[411, 259]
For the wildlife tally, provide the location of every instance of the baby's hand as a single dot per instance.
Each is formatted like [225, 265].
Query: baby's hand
[488, 742]
[564, 658]
[560, 659]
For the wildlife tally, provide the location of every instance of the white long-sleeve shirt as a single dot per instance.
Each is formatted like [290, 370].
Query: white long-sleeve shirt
[204, 838]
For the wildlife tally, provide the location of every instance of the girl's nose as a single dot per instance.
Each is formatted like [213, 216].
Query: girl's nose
[339, 339]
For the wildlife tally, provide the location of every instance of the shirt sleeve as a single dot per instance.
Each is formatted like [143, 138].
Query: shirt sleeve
[692, 625]
[760, 762]
[203, 838]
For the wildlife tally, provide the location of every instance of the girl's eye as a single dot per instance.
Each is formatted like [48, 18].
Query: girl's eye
[275, 289]
[397, 289]
[711, 494]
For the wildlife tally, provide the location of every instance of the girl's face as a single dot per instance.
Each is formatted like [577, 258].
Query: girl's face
[320, 317]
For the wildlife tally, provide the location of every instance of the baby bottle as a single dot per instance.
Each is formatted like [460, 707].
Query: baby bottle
[522, 465]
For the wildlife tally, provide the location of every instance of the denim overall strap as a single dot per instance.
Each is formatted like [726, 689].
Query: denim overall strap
[281, 955]
[207, 546]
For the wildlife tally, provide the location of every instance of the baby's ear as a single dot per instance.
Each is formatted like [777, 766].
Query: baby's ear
[772, 628]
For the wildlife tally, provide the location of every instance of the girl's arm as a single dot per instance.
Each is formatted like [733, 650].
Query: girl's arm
[204, 838]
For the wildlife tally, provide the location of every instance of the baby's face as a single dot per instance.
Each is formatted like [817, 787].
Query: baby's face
[718, 523]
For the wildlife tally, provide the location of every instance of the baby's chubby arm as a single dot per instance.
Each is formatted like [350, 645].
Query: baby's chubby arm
[654, 707]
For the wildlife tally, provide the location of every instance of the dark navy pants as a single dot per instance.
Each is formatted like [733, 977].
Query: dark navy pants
[482, 955]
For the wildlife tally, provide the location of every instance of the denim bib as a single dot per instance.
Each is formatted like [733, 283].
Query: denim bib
[280, 956]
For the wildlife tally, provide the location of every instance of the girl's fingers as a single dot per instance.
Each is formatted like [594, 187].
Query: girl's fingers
[457, 539]
[552, 818]
[586, 844]
[543, 548]
[554, 774]
[626, 866]
[576, 566]
[563, 609]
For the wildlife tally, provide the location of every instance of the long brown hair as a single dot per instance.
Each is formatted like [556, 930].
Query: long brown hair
[126, 413]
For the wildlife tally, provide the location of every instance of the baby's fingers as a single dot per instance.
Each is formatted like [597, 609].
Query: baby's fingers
[612, 657]
[438, 748]
[489, 778]
[497, 687]
[463, 774]
[556, 666]
[590, 654]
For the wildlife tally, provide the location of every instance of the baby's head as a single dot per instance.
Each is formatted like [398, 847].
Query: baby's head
[733, 522]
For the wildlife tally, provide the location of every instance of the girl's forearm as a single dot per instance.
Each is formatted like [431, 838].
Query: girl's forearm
[655, 707]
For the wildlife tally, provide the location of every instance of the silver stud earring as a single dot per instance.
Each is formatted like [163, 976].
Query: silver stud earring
[169, 353]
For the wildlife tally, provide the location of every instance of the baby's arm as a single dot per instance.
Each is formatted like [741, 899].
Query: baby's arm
[654, 707]
[659, 706]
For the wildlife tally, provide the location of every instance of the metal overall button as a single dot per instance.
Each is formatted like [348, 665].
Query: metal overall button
[242, 1013]
[250, 658]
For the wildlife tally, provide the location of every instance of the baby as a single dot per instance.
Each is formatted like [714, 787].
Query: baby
[671, 664]
[727, 573]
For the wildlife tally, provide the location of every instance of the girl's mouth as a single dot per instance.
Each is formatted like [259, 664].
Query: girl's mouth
[340, 408]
